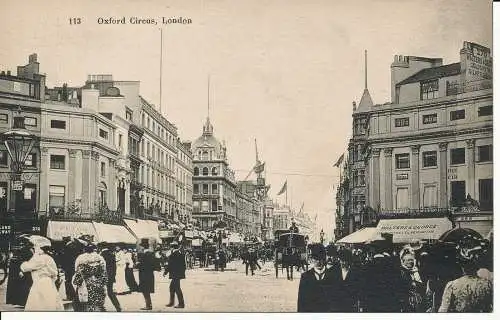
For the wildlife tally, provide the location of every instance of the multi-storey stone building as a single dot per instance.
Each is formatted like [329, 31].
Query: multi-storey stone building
[214, 185]
[429, 152]
[101, 147]
[21, 95]
[184, 180]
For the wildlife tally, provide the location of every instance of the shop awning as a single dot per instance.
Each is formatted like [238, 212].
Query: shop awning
[56, 230]
[144, 229]
[111, 233]
[360, 236]
[411, 230]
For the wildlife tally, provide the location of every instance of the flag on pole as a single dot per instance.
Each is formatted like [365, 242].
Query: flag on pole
[339, 161]
[259, 167]
[283, 189]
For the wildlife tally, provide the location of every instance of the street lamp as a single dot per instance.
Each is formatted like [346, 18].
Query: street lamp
[19, 142]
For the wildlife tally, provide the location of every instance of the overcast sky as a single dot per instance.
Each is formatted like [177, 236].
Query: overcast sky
[283, 72]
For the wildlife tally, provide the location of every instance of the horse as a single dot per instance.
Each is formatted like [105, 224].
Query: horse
[291, 259]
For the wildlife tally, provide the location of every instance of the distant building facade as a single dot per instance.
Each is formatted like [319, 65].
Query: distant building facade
[214, 184]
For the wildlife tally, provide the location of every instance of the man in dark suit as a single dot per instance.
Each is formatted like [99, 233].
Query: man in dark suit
[177, 271]
[110, 259]
[317, 284]
[147, 265]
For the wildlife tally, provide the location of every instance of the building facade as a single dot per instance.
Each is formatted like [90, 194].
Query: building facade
[214, 184]
[21, 95]
[430, 150]
[184, 180]
[100, 148]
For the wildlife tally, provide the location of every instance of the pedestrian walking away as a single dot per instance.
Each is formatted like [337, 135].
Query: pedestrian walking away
[110, 259]
[177, 270]
[147, 265]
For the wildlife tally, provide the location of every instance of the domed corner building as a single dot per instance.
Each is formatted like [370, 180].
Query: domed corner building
[214, 186]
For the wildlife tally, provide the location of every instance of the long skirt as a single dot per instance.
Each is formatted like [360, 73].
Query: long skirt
[18, 287]
[130, 279]
[44, 296]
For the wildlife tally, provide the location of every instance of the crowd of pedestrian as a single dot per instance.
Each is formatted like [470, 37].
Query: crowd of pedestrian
[86, 274]
[414, 279]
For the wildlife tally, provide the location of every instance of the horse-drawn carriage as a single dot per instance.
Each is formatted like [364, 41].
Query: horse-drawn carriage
[290, 251]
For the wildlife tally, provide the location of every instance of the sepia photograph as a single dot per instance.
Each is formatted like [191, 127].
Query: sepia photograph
[251, 156]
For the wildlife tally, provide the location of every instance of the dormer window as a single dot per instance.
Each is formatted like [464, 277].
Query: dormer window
[429, 89]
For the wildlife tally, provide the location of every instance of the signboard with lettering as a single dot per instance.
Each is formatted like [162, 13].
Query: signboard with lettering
[409, 230]
[452, 174]
[479, 61]
[402, 176]
[17, 185]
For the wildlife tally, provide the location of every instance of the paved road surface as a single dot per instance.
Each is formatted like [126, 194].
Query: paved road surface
[211, 291]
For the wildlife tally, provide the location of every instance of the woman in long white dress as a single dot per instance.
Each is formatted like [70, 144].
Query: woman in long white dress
[121, 286]
[43, 294]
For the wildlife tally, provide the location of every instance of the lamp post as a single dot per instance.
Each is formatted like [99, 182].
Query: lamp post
[321, 236]
[19, 142]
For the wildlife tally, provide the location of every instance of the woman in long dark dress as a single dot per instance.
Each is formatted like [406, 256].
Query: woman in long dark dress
[18, 284]
[129, 272]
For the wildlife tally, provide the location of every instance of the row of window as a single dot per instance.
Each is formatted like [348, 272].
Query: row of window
[430, 196]
[28, 121]
[204, 171]
[158, 155]
[433, 117]
[457, 156]
[152, 125]
[31, 159]
[196, 188]
[206, 206]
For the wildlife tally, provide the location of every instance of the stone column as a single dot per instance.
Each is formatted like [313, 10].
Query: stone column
[86, 199]
[44, 180]
[113, 186]
[443, 177]
[94, 179]
[72, 175]
[388, 178]
[415, 177]
[471, 169]
[376, 178]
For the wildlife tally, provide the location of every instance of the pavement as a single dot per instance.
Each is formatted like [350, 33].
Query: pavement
[207, 290]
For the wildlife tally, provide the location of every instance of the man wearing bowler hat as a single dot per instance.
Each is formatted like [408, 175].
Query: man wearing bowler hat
[177, 271]
[317, 284]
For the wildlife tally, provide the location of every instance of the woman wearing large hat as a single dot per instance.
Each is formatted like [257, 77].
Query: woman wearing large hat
[469, 293]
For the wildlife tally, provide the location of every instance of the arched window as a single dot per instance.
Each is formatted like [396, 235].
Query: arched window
[205, 171]
[204, 155]
[196, 171]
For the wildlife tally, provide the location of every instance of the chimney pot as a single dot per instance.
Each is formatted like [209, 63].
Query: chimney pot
[33, 58]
